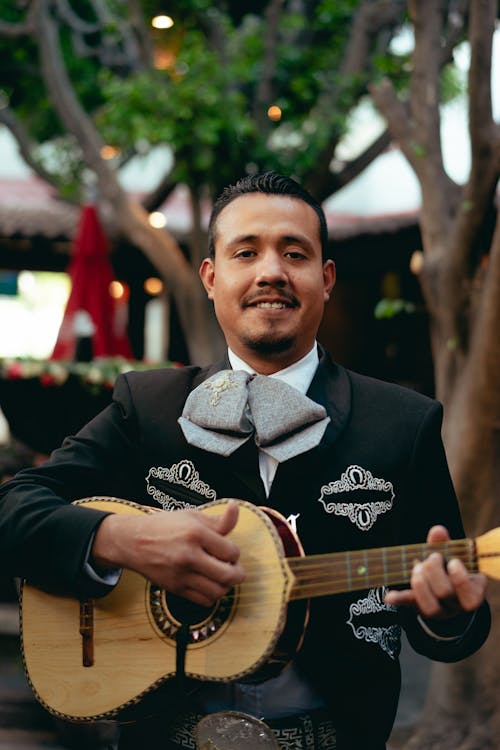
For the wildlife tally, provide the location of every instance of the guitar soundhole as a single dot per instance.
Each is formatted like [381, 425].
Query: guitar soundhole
[170, 612]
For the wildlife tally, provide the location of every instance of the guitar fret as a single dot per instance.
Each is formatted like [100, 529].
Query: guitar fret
[366, 567]
[360, 571]
[348, 570]
[404, 563]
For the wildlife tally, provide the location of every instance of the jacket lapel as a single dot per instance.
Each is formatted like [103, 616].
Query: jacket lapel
[331, 388]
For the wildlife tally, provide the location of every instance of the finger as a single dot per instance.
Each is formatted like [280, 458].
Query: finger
[219, 546]
[222, 573]
[470, 589]
[426, 599]
[437, 534]
[202, 590]
[437, 578]
[405, 598]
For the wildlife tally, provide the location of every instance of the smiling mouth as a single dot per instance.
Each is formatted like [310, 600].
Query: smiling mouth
[266, 302]
[272, 305]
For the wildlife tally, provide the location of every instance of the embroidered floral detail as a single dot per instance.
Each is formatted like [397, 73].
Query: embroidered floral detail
[182, 473]
[388, 637]
[363, 515]
[223, 383]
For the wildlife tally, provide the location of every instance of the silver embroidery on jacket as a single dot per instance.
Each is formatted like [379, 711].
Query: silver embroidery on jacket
[363, 515]
[388, 637]
[182, 473]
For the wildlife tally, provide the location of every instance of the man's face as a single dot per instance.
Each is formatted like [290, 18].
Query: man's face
[268, 282]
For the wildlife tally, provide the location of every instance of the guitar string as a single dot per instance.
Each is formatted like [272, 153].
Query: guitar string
[391, 575]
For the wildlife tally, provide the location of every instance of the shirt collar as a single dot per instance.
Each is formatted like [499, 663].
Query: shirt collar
[299, 375]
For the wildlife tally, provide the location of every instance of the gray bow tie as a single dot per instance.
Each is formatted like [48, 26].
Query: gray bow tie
[232, 406]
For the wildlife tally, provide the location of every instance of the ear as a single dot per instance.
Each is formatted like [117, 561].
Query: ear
[207, 276]
[329, 278]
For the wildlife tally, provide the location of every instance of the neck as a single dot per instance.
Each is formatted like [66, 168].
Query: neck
[340, 572]
[269, 364]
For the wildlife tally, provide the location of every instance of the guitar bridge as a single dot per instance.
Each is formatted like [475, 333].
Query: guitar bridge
[87, 632]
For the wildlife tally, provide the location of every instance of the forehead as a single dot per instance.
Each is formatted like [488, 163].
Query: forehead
[259, 214]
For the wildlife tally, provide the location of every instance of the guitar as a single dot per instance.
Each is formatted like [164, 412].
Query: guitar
[89, 660]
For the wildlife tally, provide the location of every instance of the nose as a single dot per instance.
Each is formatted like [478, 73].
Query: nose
[271, 270]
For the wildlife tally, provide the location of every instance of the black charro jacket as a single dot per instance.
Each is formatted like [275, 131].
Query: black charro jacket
[379, 478]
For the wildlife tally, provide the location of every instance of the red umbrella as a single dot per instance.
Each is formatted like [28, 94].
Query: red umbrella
[91, 275]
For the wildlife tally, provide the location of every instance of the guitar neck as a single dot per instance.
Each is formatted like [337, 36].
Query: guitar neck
[341, 572]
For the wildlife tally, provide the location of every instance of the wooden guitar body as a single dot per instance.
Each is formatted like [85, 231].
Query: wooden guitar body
[87, 661]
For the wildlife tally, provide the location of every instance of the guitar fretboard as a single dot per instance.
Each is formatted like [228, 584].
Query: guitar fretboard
[340, 572]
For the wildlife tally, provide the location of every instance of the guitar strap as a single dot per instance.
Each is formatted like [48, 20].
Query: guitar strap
[181, 643]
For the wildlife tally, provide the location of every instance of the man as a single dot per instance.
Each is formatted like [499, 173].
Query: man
[376, 476]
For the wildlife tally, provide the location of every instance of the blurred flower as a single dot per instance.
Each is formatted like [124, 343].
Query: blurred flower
[101, 372]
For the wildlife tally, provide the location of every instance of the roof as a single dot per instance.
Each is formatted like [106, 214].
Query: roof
[28, 208]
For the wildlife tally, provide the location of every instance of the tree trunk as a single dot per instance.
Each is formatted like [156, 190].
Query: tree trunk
[461, 710]
[203, 337]
[461, 285]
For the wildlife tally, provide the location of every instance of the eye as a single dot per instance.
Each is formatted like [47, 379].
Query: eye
[296, 254]
[245, 252]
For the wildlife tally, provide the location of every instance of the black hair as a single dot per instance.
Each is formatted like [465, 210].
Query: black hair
[268, 183]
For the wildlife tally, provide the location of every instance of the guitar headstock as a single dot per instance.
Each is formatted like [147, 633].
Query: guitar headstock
[488, 553]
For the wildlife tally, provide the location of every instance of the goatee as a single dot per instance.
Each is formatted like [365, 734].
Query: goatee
[269, 346]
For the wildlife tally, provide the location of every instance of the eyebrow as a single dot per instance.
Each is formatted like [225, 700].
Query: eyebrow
[286, 238]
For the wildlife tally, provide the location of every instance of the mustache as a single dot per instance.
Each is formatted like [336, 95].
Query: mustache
[280, 295]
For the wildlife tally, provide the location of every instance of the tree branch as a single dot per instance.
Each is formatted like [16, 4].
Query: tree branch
[126, 50]
[481, 124]
[25, 145]
[142, 33]
[469, 239]
[417, 129]
[159, 195]
[479, 192]
[369, 21]
[76, 24]
[13, 30]
[424, 99]
[351, 169]
[65, 101]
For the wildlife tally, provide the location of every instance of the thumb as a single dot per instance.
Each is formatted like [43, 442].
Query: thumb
[228, 520]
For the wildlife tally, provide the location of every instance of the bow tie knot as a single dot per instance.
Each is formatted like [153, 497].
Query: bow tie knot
[233, 406]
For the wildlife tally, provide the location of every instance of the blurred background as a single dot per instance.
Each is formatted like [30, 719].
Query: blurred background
[121, 122]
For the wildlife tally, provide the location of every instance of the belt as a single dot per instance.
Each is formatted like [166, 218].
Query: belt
[309, 731]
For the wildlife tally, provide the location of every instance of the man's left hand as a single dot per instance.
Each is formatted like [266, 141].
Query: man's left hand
[438, 590]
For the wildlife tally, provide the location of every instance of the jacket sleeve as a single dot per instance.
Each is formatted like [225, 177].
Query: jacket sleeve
[432, 500]
[43, 537]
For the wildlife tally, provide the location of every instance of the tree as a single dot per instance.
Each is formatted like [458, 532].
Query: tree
[208, 97]
[460, 279]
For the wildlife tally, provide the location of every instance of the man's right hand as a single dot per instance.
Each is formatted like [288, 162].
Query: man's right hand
[184, 551]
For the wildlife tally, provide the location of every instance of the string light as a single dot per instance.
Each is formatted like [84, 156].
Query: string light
[153, 286]
[157, 219]
[274, 113]
[109, 152]
[162, 22]
[117, 289]
[416, 262]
